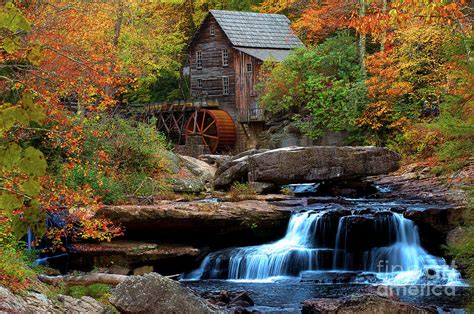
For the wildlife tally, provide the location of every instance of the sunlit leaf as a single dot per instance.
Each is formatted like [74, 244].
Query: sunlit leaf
[31, 187]
[33, 162]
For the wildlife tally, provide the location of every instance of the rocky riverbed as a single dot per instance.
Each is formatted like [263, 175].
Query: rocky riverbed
[170, 237]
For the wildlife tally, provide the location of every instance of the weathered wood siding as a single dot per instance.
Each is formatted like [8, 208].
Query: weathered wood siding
[242, 83]
[212, 69]
[245, 82]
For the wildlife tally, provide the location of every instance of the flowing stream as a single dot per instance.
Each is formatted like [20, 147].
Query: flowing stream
[367, 243]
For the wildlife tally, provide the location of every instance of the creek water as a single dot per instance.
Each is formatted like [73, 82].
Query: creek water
[330, 250]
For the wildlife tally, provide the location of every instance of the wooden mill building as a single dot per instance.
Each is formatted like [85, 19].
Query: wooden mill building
[226, 55]
[225, 58]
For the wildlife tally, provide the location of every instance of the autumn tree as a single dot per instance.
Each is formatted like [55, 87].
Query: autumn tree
[412, 82]
[40, 64]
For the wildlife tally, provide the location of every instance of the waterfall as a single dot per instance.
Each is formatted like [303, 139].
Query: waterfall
[378, 242]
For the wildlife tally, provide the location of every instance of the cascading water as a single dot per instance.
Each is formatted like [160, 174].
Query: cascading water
[377, 242]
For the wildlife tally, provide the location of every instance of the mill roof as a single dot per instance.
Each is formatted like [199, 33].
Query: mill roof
[257, 30]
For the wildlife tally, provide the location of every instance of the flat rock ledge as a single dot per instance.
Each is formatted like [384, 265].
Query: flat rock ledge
[202, 224]
[363, 303]
[127, 257]
[306, 164]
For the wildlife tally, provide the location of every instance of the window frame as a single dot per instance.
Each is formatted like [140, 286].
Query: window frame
[198, 59]
[212, 30]
[249, 67]
[225, 57]
[225, 85]
[199, 83]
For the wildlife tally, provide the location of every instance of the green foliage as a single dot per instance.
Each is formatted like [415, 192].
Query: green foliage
[287, 191]
[103, 186]
[12, 20]
[241, 191]
[15, 271]
[459, 133]
[100, 292]
[131, 146]
[463, 249]
[323, 86]
[120, 158]
[141, 184]
[167, 86]
[21, 165]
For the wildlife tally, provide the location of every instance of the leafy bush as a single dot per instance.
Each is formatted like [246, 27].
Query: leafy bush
[119, 158]
[15, 271]
[108, 189]
[322, 86]
[127, 145]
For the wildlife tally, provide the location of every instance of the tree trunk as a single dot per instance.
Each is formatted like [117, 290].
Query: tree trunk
[111, 90]
[88, 279]
[362, 40]
[384, 34]
[85, 280]
[118, 23]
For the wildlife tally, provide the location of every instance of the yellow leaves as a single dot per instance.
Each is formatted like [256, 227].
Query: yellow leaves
[378, 116]
[34, 55]
[11, 45]
[33, 162]
[405, 12]
[12, 19]
[12, 22]
[399, 88]
[10, 201]
[10, 155]
[276, 6]
[31, 187]
[20, 170]
[21, 113]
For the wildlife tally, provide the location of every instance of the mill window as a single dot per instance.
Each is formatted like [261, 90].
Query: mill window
[212, 30]
[199, 83]
[249, 67]
[225, 57]
[225, 85]
[199, 59]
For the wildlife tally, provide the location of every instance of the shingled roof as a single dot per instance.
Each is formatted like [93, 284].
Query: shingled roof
[257, 30]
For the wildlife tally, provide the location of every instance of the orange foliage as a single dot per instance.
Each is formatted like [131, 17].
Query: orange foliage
[321, 19]
[78, 52]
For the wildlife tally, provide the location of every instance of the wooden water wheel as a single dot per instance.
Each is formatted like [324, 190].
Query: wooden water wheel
[215, 127]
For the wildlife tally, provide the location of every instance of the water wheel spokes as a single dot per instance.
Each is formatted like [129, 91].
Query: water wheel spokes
[215, 127]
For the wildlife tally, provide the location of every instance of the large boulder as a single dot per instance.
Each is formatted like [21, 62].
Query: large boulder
[220, 224]
[39, 303]
[307, 164]
[34, 302]
[194, 176]
[85, 304]
[153, 293]
[198, 167]
[10, 303]
[435, 223]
